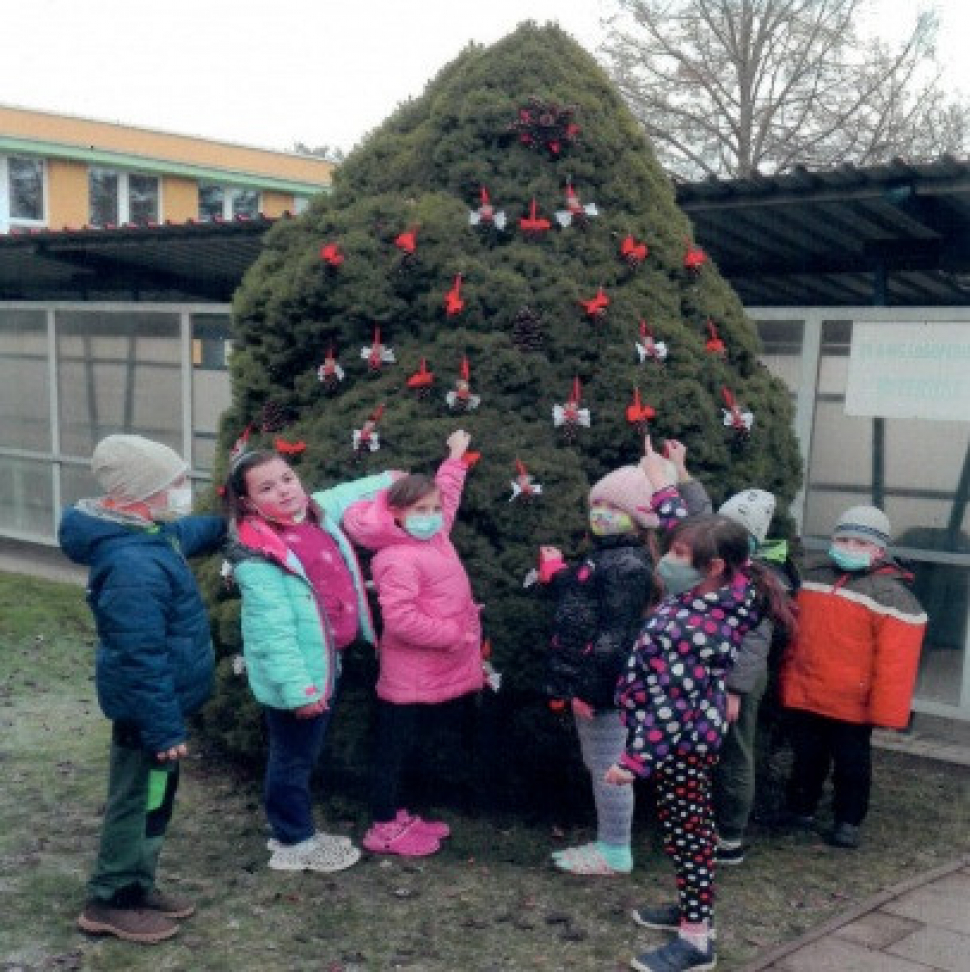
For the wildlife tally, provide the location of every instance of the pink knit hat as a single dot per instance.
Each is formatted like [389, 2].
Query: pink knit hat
[628, 489]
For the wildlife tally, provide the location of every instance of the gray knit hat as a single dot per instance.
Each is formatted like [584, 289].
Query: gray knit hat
[864, 523]
[753, 509]
[132, 468]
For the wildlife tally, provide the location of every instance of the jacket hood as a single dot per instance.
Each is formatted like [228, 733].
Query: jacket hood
[85, 528]
[372, 525]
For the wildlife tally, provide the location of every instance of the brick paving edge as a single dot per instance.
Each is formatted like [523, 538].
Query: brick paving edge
[871, 904]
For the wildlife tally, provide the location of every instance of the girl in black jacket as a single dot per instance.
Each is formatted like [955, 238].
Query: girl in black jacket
[600, 605]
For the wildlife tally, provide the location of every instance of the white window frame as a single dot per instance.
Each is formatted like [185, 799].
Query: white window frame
[124, 194]
[229, 194]
[8, 222]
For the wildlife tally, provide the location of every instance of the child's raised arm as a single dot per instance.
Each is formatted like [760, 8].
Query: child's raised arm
[450, 477]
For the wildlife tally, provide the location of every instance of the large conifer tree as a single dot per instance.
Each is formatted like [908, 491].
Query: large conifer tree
[500, 118]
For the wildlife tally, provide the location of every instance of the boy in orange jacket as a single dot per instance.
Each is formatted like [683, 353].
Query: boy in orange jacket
[852, 667]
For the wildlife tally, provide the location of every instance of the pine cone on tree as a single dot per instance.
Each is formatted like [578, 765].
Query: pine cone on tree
[273, 418]
[527, 330]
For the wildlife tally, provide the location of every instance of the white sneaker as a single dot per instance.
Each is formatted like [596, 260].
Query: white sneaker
[312, 855]
[273, 844]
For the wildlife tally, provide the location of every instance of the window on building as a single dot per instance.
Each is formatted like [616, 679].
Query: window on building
[21, 192]
[300, 205]
[226, 202]
[117, 197]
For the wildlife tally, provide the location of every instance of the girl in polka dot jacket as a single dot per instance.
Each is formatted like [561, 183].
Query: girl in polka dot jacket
[673, 701]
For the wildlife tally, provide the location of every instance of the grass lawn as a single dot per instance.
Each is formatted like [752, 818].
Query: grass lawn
[489, 901]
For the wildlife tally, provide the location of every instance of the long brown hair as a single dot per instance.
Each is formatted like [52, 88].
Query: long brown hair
[236, 489]
[409, 489]
[712, 537]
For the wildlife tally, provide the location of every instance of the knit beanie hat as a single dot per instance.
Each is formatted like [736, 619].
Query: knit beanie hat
[753, 509]
[132, 468]
[628, 489]
[864, 523]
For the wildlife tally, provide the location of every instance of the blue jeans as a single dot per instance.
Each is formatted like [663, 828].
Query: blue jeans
[294, 748]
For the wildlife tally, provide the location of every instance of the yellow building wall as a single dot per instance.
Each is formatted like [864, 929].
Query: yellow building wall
[180, 199]
[67, 194]
[275, 203]
[106, 136]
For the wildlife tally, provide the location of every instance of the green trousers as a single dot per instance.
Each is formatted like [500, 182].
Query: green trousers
[734, 775]
[141, 794]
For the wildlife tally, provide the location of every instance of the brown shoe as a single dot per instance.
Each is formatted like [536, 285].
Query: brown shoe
[169, 905]
[130, 924]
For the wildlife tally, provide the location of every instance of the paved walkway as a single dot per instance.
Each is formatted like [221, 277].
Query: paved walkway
[921, 925]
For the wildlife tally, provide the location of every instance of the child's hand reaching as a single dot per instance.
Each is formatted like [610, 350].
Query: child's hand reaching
[655, 467]
[457, 443]
[676, 452]
[618, 776]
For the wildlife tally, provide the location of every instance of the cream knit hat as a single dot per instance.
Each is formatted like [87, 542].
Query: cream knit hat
[753, 509]
[628, 489]
[132, 468]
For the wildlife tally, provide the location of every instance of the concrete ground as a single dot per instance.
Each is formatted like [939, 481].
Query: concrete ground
[918, 926]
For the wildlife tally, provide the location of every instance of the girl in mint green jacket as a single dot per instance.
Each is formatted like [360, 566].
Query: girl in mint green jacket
[303, 602]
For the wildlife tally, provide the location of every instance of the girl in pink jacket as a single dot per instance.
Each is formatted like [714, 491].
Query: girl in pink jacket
[430, 648]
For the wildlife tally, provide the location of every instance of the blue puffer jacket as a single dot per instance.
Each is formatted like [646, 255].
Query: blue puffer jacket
[154, 656]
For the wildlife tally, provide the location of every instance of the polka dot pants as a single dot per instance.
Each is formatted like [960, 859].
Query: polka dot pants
[683, 788]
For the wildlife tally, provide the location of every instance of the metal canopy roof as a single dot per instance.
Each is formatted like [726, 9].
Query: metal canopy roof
[894, 234]
[186, 261]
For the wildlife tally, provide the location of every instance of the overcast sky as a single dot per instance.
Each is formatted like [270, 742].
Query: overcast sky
[271, 72]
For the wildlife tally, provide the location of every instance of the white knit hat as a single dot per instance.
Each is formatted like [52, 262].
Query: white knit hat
[864, 523]
[132, 468]
[628, 489]
[753, 509]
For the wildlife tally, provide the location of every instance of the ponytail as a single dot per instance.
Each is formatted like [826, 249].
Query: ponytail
[778, 606]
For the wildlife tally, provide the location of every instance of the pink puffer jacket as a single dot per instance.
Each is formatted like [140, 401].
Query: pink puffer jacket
[430, 649]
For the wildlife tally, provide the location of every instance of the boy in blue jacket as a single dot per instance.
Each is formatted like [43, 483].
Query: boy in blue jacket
[154, 666]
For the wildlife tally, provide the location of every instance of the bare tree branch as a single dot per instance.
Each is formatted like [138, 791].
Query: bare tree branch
[731, 87]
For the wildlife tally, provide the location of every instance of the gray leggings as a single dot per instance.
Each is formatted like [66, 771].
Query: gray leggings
[603, 740]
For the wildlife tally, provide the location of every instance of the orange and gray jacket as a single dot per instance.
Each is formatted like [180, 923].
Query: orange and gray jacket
[857, 650]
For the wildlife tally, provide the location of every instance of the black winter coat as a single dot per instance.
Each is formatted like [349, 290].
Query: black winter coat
[600, 606]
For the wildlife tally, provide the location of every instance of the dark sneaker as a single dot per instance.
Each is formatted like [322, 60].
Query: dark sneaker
[797, 821]
[129, 924]
[728, 855]
[678, 955]
[169, 905]
[845, 835]
[665, 917]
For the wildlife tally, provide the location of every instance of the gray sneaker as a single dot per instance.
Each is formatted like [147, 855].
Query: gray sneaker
[678, 955]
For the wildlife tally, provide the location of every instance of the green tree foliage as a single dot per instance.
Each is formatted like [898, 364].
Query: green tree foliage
[424, 169]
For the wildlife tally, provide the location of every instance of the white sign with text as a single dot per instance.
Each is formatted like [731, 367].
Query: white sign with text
[917, 370]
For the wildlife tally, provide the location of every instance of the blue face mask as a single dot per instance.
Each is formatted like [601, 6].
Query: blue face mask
[678, 576]
[423, 526]
[850, 561]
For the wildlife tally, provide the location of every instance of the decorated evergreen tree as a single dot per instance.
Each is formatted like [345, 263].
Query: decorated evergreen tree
[503, 254]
